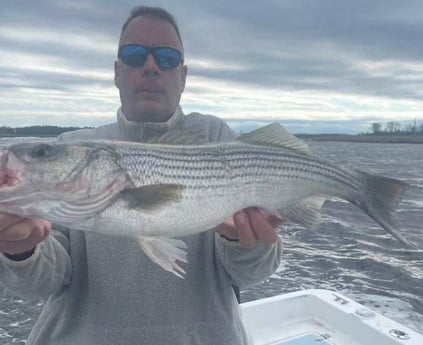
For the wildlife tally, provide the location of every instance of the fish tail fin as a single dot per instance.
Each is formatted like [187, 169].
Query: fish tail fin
[165, 252]
[382, 197]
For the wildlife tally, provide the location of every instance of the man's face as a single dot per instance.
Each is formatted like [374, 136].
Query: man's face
[148, 93]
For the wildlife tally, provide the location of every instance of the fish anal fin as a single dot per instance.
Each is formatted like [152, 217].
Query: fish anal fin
[275, 135]
[152, 196]
[165, 252]
[305, 212]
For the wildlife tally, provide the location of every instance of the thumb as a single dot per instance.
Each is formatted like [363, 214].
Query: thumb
[7, 220]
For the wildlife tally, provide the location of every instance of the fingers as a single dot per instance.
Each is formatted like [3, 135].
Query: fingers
[274, 221]
[262, 226]
[7, 220]
[24, 235]
[244, 229]
[227, 229]
[250, 225]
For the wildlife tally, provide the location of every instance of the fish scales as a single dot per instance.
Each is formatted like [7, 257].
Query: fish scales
[233, 163]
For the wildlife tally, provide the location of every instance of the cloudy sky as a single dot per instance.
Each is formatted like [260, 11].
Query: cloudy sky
[316, 66]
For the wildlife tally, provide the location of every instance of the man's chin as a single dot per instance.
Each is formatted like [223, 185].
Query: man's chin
[144, 113]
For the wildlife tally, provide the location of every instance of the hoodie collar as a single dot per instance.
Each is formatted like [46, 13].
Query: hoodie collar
[141, 131]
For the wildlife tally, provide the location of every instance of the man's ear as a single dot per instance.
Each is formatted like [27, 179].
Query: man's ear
[184, 76]
[117, 74]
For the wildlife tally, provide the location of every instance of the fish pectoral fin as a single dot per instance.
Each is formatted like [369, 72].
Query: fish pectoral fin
[275, 135]
[305, 212]
[152, 196]
[165, 252]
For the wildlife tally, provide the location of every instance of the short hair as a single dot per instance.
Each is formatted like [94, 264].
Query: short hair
[152, 12]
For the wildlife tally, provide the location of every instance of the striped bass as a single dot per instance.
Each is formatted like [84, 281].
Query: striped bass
[174, 187]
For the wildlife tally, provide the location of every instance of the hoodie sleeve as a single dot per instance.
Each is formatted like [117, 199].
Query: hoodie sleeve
[248, 266]
[46, 272]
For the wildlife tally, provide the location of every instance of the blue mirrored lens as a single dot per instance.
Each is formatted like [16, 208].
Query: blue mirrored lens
[135, 55]
[167, 57]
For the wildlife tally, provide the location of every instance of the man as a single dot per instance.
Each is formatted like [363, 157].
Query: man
[104, 290]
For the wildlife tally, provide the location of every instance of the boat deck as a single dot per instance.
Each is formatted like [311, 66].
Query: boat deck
[308, 339]
[321, 317]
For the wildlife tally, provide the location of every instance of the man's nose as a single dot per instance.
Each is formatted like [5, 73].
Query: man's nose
[150, 67]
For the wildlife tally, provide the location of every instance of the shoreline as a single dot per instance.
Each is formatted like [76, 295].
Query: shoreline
[358, 138]
[370, 138]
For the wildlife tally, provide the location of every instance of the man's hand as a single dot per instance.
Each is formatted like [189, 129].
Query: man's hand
[249, 225]
[20, 235]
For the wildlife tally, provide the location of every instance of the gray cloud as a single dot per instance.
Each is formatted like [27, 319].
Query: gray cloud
[358, 59]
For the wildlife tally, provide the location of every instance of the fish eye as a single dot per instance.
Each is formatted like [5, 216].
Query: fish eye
[41, 151]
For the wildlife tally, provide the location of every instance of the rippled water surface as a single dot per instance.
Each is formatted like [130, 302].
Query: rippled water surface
[347, 252]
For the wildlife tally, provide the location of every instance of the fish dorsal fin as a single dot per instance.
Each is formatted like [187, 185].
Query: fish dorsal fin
[152, 196]
[275, 135]
[187, 136]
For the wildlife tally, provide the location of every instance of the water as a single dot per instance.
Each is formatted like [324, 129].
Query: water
[347, 252]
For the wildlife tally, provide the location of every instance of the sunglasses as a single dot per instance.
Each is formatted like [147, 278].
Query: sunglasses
[135, 55]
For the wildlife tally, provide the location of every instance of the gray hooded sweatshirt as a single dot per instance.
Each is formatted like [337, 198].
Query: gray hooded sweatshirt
[103, 290]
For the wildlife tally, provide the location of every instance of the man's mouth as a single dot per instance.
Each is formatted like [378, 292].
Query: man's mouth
[150, 94]
[149, 88]
[152, 91]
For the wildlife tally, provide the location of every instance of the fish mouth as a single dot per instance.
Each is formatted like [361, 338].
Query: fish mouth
[9, 176]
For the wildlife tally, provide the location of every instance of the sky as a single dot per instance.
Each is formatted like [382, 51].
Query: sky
[321, 66]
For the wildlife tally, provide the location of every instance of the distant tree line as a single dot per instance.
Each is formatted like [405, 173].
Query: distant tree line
[393, 127]
[35, 131]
